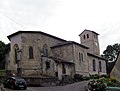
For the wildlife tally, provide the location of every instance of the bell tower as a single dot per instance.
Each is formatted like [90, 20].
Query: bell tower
[90, 39]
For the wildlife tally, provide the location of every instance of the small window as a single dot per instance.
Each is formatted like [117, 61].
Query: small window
[100, 66]
[87, 35]
[63, 69]
[94, 65]
[47, 65]
[30, 52]
[84, 36]
[56, 74]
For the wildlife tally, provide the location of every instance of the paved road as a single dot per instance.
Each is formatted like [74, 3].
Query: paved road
[80, 86]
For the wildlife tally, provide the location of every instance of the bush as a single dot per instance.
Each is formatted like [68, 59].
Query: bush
[95, 76]
[111, 82]
[105, 76]
[102, 83]
[96, 85]
[86, 78]
[78, 77]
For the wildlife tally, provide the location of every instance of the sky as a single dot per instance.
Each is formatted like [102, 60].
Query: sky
[65, 19]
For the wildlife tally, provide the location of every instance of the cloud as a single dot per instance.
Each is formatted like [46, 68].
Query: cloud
[63, 18]
[26, 13]
[109, 35]
[30, 11]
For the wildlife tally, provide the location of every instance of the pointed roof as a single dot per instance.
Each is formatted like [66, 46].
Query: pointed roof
[69, 43]
[89, 31]
[19, 32]
[96, 56]
[59, 60]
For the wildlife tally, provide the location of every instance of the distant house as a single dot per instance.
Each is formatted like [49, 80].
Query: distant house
[115, 73]
[35, 53]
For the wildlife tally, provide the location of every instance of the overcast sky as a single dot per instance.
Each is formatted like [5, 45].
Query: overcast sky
[65, 19]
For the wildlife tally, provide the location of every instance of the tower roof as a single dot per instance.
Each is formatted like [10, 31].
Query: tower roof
[89, 31]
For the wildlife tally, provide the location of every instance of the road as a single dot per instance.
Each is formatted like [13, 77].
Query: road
[79, 86]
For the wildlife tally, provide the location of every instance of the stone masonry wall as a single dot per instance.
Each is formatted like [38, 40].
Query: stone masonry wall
[37, 41]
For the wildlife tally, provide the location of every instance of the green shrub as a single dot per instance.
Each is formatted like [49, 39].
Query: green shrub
[97, 85]
[101, 83]
[95, 76]
[105, 76]
[78, 77]
[86, 78]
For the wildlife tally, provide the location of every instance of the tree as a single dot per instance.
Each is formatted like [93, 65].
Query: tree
[4, 49]
[111, 54]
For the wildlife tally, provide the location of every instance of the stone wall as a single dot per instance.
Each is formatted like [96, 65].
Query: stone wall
[37, 41]
[64, 52]
[81, 67]
[103, 66]
[37, 81]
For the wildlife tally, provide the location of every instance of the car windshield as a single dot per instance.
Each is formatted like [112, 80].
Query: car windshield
[19, 79]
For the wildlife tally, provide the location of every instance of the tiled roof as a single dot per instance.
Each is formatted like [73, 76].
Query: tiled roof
[89, 31]
[69, 43]
[59, 60]
[93, 55]
[34, 32]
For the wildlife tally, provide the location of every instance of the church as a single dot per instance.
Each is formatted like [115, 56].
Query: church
[35, 53]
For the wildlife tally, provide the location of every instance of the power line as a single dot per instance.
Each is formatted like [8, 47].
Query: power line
[11, 19]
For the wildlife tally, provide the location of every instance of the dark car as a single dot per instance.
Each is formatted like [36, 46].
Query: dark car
[15, 83]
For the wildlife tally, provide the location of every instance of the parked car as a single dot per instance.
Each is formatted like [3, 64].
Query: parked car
[15, 83]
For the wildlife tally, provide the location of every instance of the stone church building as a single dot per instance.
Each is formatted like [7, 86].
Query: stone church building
[35, 53]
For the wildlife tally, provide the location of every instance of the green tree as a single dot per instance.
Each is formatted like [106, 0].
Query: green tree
[4, 49]
[110, 54]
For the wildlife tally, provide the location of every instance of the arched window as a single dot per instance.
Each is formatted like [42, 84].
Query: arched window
[100, 66]
[81, 57]
[84, 36]
[30, 52]
[45, 50]
[16, 48]
[94, 65]
[15, 55]
[87, 35]
[47, 65]
[63, 69]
